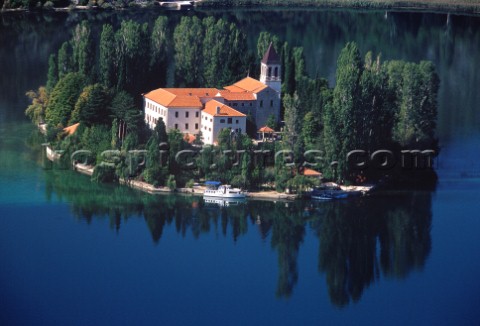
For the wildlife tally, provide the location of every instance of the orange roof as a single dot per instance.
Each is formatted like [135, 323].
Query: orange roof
[189, 138]
[249, 84]
[311, 173]
[70, 130]
[180, 97]
[224, 110]
[234, 89]
[266, 129]
[236, 96]
[161, 96]
[200, 92]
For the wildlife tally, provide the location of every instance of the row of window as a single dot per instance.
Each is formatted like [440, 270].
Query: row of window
[156, 108]
[229, 121]
[187, 126]
[187, 114]
[234, 104]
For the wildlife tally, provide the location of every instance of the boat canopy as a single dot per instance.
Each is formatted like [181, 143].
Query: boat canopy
[213, 183]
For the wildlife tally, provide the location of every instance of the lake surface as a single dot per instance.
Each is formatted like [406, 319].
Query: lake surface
[77, 253]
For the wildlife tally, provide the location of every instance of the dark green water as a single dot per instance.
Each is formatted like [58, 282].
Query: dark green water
[73, 252]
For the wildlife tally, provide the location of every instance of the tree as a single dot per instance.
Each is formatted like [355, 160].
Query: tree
[52, 76]
[340, 116]
[91, 106]
[272, 121]
[107, 56]
[64, 60]
[157, 164]
[123, 108]
[288, 70]
[36, 110]
[63, 98]
[310, 130]
[299, 63]
[188, 40]
[132, 49]
[293, 125]
[83, 50]
[159, 50]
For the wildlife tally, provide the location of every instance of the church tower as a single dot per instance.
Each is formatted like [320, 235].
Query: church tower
[271, 74]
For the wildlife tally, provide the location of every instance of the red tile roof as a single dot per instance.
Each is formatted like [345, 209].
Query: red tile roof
[224, 110]
[233, 88]
[248, 84]
[311, 173]
[180, 97]
[189, 138]
[70, 130]
[266, 129]
[200, 92]
[237, 96]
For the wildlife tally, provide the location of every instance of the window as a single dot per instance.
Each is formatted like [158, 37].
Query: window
[209, 129]
[243, 104]
[196, 126]
[235, 104]
[269, 71]
[251, 103]
[271, 103]
[236, 121]
[210, 119]
[176, 126]
[229, 120]
[276, 72]
[261, 103]
[186, 114]
[206, 118]
[222, 120]
[186, 126]
[176, 115]
[196, 114]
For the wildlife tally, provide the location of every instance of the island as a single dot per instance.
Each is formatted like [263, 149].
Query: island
[164, 107]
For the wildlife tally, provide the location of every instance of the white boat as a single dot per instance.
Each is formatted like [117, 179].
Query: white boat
[215, 189]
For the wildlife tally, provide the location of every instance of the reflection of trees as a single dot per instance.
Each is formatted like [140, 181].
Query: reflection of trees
[287, 227]
[360, 240]
[349, 232]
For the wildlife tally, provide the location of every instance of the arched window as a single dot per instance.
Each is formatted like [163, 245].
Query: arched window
[269, 71]
[276, 72]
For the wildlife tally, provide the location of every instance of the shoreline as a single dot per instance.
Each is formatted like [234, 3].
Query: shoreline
[196, 190]
[440, 6]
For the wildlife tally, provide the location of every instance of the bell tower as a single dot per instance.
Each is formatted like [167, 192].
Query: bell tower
[271, 74]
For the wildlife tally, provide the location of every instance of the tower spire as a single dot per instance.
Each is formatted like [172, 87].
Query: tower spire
[271, 73]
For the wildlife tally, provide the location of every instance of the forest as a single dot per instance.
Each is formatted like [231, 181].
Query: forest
[97, 78]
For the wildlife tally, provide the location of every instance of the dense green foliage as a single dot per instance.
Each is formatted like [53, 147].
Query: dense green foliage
[209, 52]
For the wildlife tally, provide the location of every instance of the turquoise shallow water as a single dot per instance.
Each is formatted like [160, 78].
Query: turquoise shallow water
[77, 253]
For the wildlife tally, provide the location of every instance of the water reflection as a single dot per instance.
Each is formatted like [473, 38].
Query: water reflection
[359, 240]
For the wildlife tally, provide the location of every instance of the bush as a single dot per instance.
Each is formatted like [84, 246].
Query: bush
[190, 183]
[104, 173]
[171, 183]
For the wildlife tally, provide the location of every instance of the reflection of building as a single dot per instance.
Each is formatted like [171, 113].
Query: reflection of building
[185, 109]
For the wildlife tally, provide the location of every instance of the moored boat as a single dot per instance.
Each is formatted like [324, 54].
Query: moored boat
[329, 191]
[216, 189]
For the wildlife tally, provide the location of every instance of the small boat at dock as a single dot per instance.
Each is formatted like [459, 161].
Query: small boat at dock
[216, 189]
